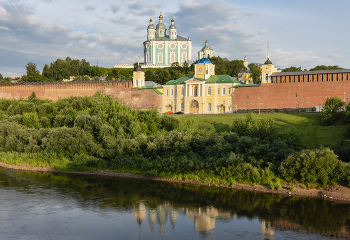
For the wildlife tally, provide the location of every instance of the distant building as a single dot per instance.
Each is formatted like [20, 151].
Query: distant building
[162, 49]
[206, 51]
[267, 69]
[204, 92]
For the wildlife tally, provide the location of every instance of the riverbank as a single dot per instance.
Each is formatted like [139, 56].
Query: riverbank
[337, 192]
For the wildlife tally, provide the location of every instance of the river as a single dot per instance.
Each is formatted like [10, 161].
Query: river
[58, 206]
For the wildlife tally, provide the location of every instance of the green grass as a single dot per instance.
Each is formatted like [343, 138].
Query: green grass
[308, 125]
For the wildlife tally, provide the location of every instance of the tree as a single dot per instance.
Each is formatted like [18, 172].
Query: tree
[323, 67]
[331, 107]
[256, 72]
[236, 67]
[47, 72]
[292, 69]
[1, 77]
[33, 74]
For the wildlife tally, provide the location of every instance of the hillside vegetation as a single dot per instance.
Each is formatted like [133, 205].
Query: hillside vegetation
[90, 133]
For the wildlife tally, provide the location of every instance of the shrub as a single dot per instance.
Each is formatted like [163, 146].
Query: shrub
[311, 166]
[331, 107]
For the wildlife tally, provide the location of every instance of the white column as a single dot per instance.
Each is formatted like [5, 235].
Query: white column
[166, 53]
[154, 52]
[178, 53]
[189, 52]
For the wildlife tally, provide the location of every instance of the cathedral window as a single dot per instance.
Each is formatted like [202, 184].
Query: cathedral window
[209, 91]
[183, 57]
[172, 57]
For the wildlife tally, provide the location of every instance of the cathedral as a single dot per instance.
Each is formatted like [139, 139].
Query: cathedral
[164, 49]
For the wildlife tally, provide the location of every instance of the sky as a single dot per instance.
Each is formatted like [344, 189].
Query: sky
[300, 33]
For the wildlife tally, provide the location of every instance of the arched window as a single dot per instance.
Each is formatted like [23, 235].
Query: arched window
[183, 57]
[172, 57]
[182, 91]
[209, 91]
[209, 107]
[267, 77]
[182, 107]
[223, 90]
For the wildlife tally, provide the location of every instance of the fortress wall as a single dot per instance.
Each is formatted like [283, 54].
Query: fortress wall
[55, 91]
[121, 91]
[143, 99]
[290, 94]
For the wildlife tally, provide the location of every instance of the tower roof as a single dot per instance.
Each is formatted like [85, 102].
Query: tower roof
[161, 25]
[204, 60]
[172, 25]
[150, 26]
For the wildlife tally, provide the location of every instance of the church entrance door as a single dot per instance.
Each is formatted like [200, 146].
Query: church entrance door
[194, 107]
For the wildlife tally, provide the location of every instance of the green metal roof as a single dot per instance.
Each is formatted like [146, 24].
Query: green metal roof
[212, 79]
[157, 91]
[221, 79]
[179, 80]
[247, 85]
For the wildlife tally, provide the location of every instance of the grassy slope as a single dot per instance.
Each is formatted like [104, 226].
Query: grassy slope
[307, 124]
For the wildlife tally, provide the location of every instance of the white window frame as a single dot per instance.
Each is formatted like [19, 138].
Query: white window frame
[171, 92]
[209, 91]
[223, 90]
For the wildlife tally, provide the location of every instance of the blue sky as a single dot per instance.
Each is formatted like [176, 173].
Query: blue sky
[300, 33]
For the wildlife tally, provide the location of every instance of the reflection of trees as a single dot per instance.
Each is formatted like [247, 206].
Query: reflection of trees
[164, 201]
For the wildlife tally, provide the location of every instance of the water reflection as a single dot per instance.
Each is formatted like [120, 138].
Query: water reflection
[62, 206]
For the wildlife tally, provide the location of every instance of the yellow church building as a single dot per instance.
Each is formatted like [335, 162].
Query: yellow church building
[203, 93]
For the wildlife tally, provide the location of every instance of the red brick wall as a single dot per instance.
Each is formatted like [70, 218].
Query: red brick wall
[289, 95]
[143, 99]
[122, 91]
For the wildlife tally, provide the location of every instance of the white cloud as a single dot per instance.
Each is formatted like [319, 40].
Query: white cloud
[262, 32]
[4, 28]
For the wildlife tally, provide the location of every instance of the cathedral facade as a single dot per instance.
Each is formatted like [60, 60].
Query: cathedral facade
[162, 49]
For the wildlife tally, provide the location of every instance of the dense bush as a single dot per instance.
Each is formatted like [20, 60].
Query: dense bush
[98, 132]
[331, 108]
[311, 166]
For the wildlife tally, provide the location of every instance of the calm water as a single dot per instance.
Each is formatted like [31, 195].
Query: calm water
[52, 206]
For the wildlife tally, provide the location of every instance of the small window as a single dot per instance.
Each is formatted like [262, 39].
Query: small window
[209, 107]
[195, 91]
[218, 91]
[182, 91]
[229, 91]
[209, 91]
[182, 107]
[171, 92]
[167, 92]
[223, 90]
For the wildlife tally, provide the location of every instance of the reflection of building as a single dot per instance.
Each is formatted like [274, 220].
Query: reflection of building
[140, 213]
[204, 92]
